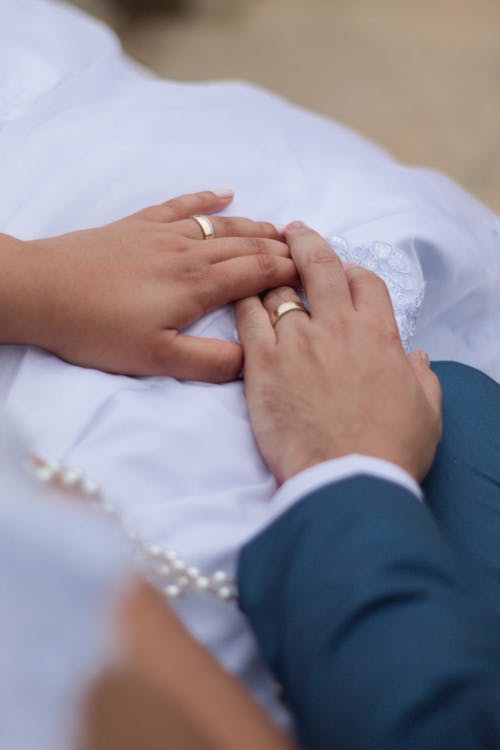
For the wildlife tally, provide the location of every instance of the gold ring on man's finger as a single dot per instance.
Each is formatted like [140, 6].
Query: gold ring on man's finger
[284, 309]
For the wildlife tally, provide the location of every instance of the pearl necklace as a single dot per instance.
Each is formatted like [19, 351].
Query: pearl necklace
[163, 567]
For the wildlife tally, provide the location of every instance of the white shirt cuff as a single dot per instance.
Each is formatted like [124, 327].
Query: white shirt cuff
[338, 470]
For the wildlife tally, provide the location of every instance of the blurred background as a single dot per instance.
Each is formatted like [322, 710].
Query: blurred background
[421, 78]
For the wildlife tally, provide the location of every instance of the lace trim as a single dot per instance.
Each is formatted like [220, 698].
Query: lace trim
[399, 269]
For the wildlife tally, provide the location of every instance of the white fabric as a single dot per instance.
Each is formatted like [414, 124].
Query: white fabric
[338, 470]
[91, 139]
[400, 268]
[62, 573]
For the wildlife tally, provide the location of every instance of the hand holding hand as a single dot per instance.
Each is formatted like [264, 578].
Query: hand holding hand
[116, 298]
[337, 382]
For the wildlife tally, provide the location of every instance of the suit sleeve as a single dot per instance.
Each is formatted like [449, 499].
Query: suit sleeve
[359, 609]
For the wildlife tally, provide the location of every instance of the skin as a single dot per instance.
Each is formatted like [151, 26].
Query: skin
[318, 388]
[116, 298]
[168, 692]
[337, 382]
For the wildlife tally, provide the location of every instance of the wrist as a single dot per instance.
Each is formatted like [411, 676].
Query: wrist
[340, 470]
[21, 292]
[303, 462]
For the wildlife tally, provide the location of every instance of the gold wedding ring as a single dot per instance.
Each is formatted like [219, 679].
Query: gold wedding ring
[206, 226]
[284, 309]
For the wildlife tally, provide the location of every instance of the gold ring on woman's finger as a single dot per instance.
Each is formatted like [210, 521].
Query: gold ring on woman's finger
[284, 309]
[206, 226]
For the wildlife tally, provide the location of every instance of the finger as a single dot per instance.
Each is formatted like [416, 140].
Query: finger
[254, 327]
[369, 294]
[220, 250]
[234, 279]
[320, 270]
[230, 227]
[192, 358]
[291, 322]
[429, 381]
[184, 206]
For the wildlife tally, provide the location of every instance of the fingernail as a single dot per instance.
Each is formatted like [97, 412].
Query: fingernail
[223, 193]
[280, 228]
[295, 226]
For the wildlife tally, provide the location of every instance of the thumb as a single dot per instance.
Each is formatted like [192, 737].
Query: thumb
[192, 358]
[420, 364]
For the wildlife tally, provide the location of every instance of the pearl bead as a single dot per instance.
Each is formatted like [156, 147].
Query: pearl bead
[220, 576]
[173, 591]
[54, 466]
[70, 477]
[154, 550]
[90, 488]
[168, 561]
[43, 473]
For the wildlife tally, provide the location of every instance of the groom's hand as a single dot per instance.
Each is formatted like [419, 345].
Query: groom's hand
[337, 382]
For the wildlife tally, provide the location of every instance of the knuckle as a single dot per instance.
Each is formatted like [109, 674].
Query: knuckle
[257, 245]
[372, 284]
[267, 265]
[177, 206]
[381, 329]
[229, 226]
[365, 277]
[165, 213]
[173, 204]
[323, 255]
[389, 335]
[376, 282]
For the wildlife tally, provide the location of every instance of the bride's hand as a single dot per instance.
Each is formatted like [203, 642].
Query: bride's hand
[117, 297]
[148, 697]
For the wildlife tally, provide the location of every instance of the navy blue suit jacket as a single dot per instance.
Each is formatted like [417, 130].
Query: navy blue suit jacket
[364, 617]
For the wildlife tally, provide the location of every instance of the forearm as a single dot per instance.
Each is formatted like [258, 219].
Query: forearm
[170, 692]
[358, 608]
[21, 291]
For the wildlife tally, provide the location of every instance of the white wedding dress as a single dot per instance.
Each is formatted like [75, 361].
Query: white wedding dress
[86, 137]
[63, 572]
